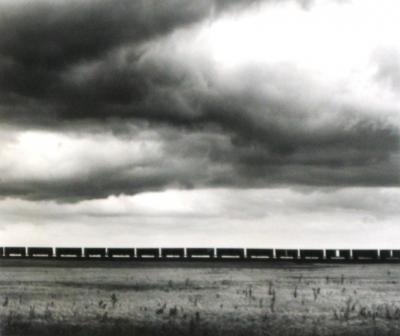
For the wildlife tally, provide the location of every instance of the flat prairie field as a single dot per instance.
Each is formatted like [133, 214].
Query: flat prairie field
[199, 299]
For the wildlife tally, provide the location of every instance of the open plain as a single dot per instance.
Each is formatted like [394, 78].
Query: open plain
[70, 298]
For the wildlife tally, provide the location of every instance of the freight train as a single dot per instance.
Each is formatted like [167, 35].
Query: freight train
[165, 254]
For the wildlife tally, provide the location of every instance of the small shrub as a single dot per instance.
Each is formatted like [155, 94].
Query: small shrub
[48, 315]
[32, 314]
[273, 300]
[173, 311]
[270, 287]
[5, 302]
[114, 300]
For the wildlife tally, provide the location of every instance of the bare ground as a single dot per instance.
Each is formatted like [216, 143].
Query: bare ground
[200, 299]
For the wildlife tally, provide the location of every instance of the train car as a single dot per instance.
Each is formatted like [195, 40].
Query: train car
[147, 253]
[312, 254]
[286, 254]
[385, 254]
[344, 255]
[331, 254]
[127, 253]
[395, 254]
[1, 252]
[259, 254]
[230, 253]
[365, 254]
[172, 253]
[68, 252]
[200, 253]
[11, 252]
[40, 252]
[94, 252]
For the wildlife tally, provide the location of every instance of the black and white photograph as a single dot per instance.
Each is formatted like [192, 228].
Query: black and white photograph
[199, 167]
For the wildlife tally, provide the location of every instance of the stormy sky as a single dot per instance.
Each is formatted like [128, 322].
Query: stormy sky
[200, 123]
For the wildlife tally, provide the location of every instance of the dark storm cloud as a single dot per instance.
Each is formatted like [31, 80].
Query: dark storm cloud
[49, 35]
[67, 65]
[41, 40]
[97, 185]
[197, 159]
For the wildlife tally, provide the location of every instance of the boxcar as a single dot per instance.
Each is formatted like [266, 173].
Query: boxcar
[344, 254]
[230, 253]
[147, 253]
[290, 254]
[262, 254]
[40, 252]
[10, 252]
[200, 253]
[172, 253]
[385, 254]
[331, 254]
[94, 252]
[68, 252]
[365, 254]
[396, 254]
[312, 254]
[121, 252]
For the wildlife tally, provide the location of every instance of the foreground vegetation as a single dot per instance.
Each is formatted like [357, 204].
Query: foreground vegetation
[294, 300]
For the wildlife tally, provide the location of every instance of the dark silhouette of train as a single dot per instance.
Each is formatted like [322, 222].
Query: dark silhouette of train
[215, 254]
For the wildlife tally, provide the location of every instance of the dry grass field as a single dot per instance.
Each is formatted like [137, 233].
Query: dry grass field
[204, 300]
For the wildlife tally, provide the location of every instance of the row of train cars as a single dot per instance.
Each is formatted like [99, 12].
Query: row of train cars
[217, 254]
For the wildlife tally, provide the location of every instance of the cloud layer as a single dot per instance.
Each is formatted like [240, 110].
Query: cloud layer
[100, 99]
[273, 217]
